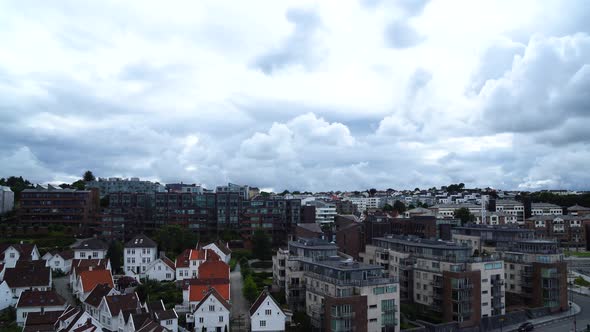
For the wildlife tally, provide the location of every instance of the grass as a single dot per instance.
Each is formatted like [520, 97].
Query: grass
[578, 253]
[232, 263]
[152, 290]
[581, 282]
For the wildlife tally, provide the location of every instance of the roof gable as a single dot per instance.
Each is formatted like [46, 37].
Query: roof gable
[90, 279]
[141, 241]
[213, 294]
[264, 300]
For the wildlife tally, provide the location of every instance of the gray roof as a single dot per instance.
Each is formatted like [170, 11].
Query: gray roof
[456, 206]
[92, 244]
[141, 241]
[556, 216]
[578, 208]
[337, 263]
[419, 242]
[545, 205]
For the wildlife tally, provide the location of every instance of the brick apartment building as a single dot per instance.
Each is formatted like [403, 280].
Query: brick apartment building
[42, 206]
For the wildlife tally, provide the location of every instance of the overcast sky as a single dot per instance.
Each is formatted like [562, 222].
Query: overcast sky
[326, 95]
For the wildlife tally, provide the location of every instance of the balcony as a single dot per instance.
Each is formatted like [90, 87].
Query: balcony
[497, 282]
[358, 283]
[463, 286]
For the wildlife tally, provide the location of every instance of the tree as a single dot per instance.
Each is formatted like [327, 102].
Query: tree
[80, 185]
[115, 254]
[264, 194]
[464, 215]
[372, 192]
[388, 208]
[249, 290]
[88, 176]
[261, 245]
[285, 192]
[104, 202]
[399, 206]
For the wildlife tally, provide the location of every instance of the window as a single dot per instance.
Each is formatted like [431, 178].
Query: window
[268, 312]
[12, 255]
[169, 322]
[25, 314]
[95, 254]
[168, 275]
[221, 319]
[262, 323]
[211, 308]
[485, 304]
[201, 319]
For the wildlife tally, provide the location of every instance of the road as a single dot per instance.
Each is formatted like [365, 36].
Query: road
[582, 319]
[61, 287]
[240, 308]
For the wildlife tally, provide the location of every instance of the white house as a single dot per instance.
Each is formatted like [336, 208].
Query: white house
[12, 253]
[91, 249]
[212, 313]
[112, 308]
[161, 269]
[266, 314]
[80, 265]
[78, 320]
[38, 301]
[94, 298]
[188, 262]
[138, 254]
[6, 299]
[221, 248]
[61, 261]
[88, 280]
[32, 277]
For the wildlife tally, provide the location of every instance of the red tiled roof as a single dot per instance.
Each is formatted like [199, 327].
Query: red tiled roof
[211, 255]
[213, 270]
[199, 291]
[117, 303]
[183, 259]
[95, 277]
[197, 254]
[79, 265]
[168, 262]
[96, 295]
[32, 276]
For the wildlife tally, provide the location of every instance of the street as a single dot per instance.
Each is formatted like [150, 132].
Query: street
[61, 287]
[582, 319]
[240, 309]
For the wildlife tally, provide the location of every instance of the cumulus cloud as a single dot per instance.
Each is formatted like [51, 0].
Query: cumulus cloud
[299, 48]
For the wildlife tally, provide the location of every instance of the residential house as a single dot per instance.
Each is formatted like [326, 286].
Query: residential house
[211, 313]
[75, 319]
[162, 269]
[221, 248]
[113, 307]
[61, 261]
[80, 265]
[138, 255]
[188, 262]
[27, 277]
[6, 298]
[158, 313]
[578, 210]
[93, 300]
[38, 301]
[91, 249]
[196, 290]
[266, 314]
[41, 321]
[88, 280]
[12, 253]
[568, 229]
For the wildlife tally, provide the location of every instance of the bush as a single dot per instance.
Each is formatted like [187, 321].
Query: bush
[581, 282]
[152, 290]
[262, 265]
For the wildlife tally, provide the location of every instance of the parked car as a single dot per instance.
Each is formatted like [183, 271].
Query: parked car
[526, 327]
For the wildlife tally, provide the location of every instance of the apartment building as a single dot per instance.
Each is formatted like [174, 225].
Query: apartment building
[242, 191]
[448, 210]
[127, 213]
[510, 207]
[490, 238]
[364, 203]
[536, 275]
[53, 205]
[578, 210]
[192, 211]
[343, 295]
[325, 212]
[107, 186]
[568, 230]
[277, 217]
[288, 272]
[545, 209]
[442, 277]
[496, 218]
[6, 199]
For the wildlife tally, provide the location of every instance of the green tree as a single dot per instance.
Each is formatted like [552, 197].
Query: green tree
[16, 184]
[285, 192]
[88, 176]
[399, 206]
[372, 191]
[264, 194]
[173, 239]
[464, 215]
[104, 202]
[115, 254]
[249, 290]
[80, 185]
[388, 208]
[261, 245]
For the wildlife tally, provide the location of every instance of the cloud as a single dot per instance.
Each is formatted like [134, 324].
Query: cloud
[299, 48]
[551, 78]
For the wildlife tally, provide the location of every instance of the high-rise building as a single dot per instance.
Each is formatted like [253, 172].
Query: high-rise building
[132, 185]
[6, 199]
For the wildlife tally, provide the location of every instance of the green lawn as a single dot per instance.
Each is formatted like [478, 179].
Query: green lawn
[577, 253]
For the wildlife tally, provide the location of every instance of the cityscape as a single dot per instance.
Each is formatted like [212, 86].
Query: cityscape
[295, 165]
[125, 254]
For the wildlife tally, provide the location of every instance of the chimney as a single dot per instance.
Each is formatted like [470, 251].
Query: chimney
[90, 268]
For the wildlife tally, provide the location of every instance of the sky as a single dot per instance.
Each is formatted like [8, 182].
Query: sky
[298, 95]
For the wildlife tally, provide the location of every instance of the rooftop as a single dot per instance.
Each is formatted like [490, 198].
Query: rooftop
[141, 241]
[40, 299]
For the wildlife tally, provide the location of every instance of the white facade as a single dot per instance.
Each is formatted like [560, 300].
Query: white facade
[6, 299]
[112, 185]
[215, 247]
[57, 262]
[75, 319]
[6, 199]
[22, 312]
[137, 260]
[90, 253]
[159, 270]
[268, 316]
[211, 314]
[12, 255]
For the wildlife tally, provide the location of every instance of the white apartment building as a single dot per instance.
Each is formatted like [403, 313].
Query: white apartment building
[324, 212]
[114, 185]
[545, 209]
[91, 249]
[6, 199]
[138, 254]
[511, 207]
[448, 210]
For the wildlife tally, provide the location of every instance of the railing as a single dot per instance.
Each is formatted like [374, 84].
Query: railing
[358, 283]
